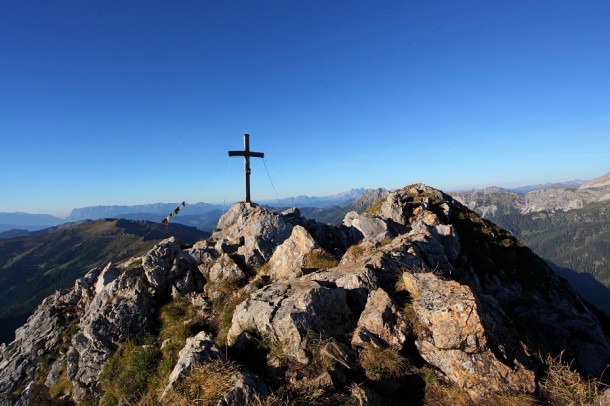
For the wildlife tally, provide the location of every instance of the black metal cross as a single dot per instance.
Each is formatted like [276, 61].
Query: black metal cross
[246, 153]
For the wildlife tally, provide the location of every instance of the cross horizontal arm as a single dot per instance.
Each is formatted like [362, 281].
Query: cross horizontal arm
[247, 153]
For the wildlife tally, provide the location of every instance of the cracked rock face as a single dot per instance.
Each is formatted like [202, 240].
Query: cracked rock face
[183, 276]
[225, 268]
[288, 259]
[288, 310]
[381, 323]
[123, 309]
[373, 229]
[254, 231]
[456, 338]
[41, 334]
[198, 349]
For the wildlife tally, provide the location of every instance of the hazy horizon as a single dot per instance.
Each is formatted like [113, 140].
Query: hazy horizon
[65, 214]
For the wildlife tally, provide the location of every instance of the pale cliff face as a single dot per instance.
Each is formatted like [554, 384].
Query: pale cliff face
[497, 201]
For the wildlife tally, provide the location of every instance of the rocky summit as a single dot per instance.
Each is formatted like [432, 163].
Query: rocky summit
[417, 300]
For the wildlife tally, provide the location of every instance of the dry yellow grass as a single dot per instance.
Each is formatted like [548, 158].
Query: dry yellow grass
[206, 385]
[379, 363]
[564, 386]
[319, 260]
[437, 394]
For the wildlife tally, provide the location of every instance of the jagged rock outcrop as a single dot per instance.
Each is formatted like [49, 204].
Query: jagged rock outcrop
[251, 232]
[381, 323]
[77, 330]
[40, 336]
[183, 276]
[420, 277]
[288, 260]
[122, 309]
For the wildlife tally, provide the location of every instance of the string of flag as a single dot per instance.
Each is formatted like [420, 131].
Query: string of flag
[173, 213]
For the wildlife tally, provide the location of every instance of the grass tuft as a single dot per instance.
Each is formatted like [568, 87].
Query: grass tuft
[206, 385]
[380, 363]
[375, 207]
[564, 386]
[319, 259]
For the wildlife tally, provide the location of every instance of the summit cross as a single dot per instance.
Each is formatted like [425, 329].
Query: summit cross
[246, 153]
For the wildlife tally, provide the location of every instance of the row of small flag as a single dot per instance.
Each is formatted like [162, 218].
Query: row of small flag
[173, 213]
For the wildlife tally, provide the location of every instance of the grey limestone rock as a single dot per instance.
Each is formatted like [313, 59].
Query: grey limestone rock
[288, 310]
[225, 268]
[170, 271]
[41, 334]
[122, 310]
[254, 231]
[381, 323]
[197, 350]
[357, 280]
[202, 252]
[288, 259]
[371, 227]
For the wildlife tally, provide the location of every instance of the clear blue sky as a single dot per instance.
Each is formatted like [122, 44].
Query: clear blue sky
[129, 102]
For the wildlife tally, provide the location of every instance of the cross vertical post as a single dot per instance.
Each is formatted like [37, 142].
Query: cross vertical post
[246, 153]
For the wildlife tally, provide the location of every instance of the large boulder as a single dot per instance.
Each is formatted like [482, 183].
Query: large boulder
[381, 323]
[357, 280]
[252, 232]
[288, 311]
[225, 269]
[170, 271]
[198, 349]
[288, 260]
[469, 340]
[372, 228]
[202, 252]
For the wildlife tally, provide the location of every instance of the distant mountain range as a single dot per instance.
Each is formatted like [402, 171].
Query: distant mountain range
[205, 215]
[339, 199]
[201, 215]
[27, 221]
[571, 184]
